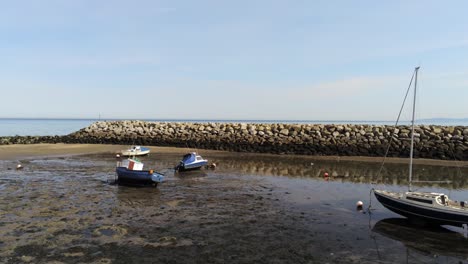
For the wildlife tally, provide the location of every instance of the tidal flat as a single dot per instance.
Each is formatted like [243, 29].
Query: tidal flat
[252, 208]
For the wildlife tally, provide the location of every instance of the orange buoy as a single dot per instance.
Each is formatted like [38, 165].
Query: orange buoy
[151, 171]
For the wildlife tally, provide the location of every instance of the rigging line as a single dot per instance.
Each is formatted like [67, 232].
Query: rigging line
[396, 123]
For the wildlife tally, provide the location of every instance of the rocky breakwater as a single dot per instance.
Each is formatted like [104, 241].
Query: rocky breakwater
[30, 140]
[437, 142]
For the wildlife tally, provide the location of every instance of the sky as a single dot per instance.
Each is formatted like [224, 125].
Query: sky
[255, 59]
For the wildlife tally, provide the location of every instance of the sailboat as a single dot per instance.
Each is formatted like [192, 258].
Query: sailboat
[434, 208]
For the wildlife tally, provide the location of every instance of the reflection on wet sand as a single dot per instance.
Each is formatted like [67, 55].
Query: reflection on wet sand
[346, 171]
[190, 174]
[426, 240]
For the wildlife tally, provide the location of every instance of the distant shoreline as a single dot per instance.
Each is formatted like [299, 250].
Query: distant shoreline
[312, 121]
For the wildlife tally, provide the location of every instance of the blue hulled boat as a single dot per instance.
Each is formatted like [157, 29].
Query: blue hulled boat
[130, 172]
[191, 161]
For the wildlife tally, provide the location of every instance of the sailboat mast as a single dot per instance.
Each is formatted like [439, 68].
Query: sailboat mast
[412, 129]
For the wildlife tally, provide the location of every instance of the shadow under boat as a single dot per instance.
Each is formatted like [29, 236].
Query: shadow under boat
[191, 174]
[426, 239]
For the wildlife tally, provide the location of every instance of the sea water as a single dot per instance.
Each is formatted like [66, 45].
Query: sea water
[50, 127]
[41, 127]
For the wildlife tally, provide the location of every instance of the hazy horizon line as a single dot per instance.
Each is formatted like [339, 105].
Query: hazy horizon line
[224, 119]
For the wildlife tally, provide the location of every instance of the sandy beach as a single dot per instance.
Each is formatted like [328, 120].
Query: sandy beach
[253, 208]
[14, 152]
[11, 152]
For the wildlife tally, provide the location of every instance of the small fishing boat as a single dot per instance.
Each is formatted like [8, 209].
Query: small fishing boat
[430, 207]
[135, 151]
[130, 172]
[191, 161]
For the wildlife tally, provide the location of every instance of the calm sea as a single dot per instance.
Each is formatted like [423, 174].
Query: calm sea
[50, 127]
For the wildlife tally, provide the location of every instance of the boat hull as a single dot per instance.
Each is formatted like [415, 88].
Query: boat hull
[143, 152]
[133, 177]
[428, 214]
[136, 152]
[191, 166]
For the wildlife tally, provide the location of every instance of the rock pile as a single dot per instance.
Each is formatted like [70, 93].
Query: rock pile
[436, 142]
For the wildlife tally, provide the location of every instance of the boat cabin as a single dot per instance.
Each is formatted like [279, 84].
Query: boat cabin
[427, 198]
[191, 157]
[135, 148]
[131, 164]
[439, 199]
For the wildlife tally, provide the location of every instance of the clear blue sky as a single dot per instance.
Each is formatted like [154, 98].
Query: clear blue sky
[313, 60]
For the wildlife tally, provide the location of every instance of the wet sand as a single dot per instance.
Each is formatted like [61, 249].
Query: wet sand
[10, 152]
[62, 208]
